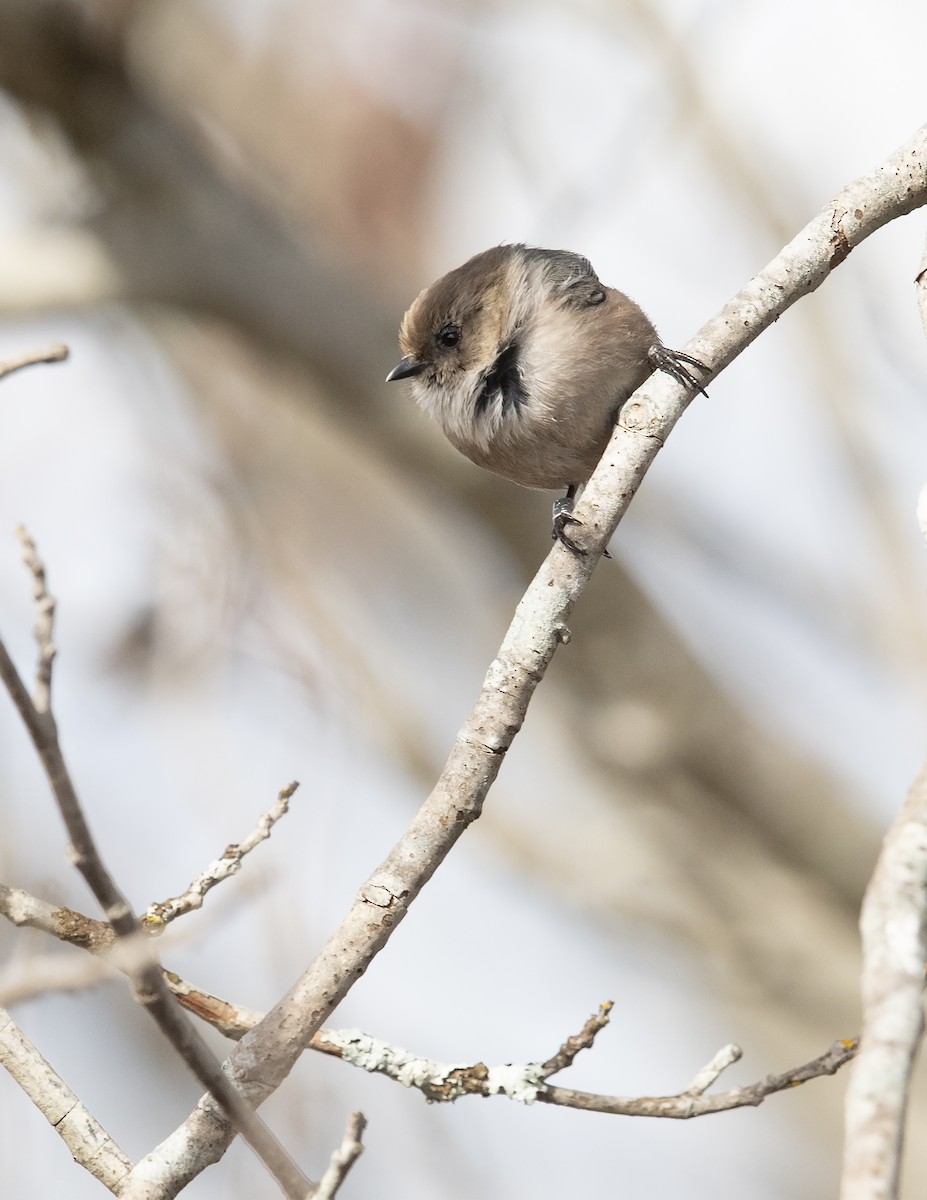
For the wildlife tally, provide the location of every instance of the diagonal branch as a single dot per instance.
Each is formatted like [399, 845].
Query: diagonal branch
[83, 1135]
[44, 623]
[148, 980]
[159, 914]
[266, 1055]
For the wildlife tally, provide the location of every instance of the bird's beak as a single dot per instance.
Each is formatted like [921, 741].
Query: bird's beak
[405, 369]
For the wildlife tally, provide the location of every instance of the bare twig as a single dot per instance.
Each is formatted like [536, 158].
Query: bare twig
[893, 924]
[24, 909]
[231, 1020]
[920, 283]
[704, 1078]
[268, 1052]
[527, 1082]
[149, 985]
[442, 1082]
[87, 1140]
[694, 1104]
[580, 1041]
[344, 1158]
[158, 915]
[51, 354]
[44, 623]
[436, 1081]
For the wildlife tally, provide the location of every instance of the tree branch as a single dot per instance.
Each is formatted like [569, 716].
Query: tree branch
[149, 985]
[344, 1158]
[84, 1136]
[527, 1082]
[893, 924]
[692, 1102]
[441, 1082]
[265, 1056]
[159, 914]
[580, 1041]
[44, 622]
[52, 354]
[24, 909]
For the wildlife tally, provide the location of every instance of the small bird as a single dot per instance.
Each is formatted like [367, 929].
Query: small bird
[524, 358]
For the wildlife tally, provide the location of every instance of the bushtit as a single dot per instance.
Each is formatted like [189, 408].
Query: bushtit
[524, 358]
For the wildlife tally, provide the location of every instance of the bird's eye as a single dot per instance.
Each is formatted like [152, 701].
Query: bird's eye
[448, 335]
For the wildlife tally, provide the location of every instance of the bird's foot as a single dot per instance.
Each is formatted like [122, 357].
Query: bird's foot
[675, 363]
[563, 516]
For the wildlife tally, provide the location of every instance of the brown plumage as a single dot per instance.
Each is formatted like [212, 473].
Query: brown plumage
[524, 358]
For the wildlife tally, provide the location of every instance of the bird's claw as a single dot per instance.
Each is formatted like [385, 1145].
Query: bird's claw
[674, 363]
[563, 517]
[565, 540]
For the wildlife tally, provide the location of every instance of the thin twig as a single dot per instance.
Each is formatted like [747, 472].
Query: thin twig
[231, 1020]
[708, 1075]
[149, 985]
[580, 1041]
[51, 354]
[344, 1158]
[24, 909]
[158, 915]
[44, 624]
[688, 1104]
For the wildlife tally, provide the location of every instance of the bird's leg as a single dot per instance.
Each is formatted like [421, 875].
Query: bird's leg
[563, 516]
[674, 363]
